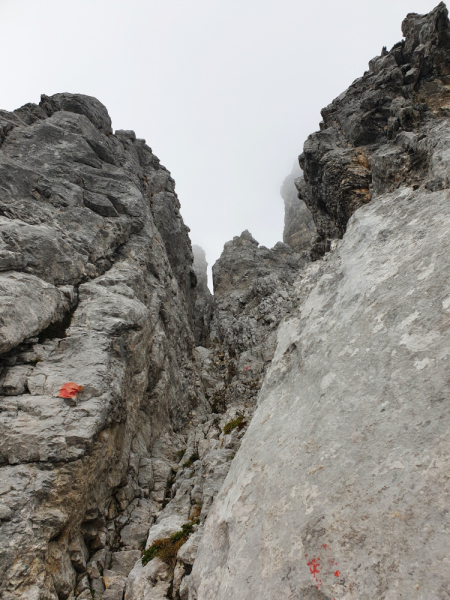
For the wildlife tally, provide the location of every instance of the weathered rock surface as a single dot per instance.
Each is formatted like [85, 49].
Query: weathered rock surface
[195, 482]
[339, 489]
[347, 455]
[299, 228]
[90, 294]
[252, 294]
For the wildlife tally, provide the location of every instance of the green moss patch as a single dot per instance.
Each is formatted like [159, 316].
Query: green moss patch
[238, 422]
[167, 548]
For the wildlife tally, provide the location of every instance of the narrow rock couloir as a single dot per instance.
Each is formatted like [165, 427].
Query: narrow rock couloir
[294, 426]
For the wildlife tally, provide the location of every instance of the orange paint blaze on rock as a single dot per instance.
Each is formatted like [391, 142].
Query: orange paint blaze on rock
[336, 573]
[70, 390]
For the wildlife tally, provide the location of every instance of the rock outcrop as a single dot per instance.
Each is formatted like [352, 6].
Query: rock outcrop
[340, 487]
[252, 294]
[379, 134]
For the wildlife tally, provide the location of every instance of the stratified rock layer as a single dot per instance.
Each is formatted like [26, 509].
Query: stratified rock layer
[340, 488]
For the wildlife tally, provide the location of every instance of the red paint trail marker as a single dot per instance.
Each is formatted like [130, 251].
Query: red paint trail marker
[314, 568]
[70, 390]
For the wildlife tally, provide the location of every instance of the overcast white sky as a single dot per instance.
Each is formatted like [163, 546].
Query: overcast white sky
[224, 91]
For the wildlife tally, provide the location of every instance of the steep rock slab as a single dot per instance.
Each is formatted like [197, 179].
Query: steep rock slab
[340, 488]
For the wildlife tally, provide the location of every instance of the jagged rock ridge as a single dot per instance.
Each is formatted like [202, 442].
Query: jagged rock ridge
[376, 136]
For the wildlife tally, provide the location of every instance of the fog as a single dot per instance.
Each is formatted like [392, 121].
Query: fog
[224, 92]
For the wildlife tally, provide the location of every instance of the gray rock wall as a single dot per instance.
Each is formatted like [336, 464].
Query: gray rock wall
[100, 293]
[252, 294]
[90, 295]
[203, 298]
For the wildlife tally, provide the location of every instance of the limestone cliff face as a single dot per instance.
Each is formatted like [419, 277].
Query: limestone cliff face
[95, 289]
[340, 487]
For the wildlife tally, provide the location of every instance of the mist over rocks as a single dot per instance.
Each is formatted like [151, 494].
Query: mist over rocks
[299, 229]
[203, 298]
